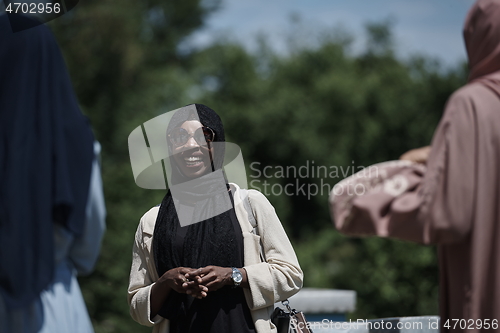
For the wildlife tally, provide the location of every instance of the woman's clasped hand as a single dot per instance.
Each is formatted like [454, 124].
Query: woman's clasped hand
[197, 282]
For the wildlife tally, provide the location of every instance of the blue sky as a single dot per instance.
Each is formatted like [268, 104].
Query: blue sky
[431, 27]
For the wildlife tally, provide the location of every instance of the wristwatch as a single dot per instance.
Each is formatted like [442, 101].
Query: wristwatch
[236, 276]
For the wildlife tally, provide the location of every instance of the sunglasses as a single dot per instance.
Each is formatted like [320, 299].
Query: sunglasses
[203, 135]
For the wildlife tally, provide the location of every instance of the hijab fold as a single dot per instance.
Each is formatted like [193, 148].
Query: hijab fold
[482, 41]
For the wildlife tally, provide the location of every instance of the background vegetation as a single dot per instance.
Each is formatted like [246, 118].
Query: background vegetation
[317, 102]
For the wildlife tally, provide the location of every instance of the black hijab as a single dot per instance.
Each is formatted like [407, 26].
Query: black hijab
[46, 152]
[210, 242]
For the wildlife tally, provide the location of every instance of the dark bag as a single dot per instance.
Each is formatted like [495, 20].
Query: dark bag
[292, 321]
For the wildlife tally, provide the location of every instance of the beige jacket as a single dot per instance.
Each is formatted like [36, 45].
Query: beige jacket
[276, 279]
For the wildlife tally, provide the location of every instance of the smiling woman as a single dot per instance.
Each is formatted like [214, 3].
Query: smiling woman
[192, 152]
[197, 263]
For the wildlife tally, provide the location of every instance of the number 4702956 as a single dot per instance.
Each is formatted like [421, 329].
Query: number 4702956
[471, 324]
[33, 8]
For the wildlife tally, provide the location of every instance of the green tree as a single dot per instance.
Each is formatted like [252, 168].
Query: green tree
[323, 105]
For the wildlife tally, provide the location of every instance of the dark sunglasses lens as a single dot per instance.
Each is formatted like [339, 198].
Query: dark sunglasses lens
[209, 134]
[203, 135]
[179, 136]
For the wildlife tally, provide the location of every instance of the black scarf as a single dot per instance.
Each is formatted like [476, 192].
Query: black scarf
[210, 242]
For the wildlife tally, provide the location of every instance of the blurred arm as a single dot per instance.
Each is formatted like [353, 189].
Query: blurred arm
[432, 206]
[85, 249]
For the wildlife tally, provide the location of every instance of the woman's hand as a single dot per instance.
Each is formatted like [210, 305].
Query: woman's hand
[194, 288]
[211, 277]
[419, 155]
[175, 278]
[171, 279]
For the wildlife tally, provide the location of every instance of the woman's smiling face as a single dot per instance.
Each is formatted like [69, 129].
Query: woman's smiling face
[193, 158]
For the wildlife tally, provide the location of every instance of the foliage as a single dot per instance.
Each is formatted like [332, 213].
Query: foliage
[318, 104]
[325, 107]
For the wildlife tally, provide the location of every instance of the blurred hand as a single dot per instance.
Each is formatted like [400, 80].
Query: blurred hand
[211, 277]
[418, 155]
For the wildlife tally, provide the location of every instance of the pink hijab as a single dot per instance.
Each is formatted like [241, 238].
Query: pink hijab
[482, 41]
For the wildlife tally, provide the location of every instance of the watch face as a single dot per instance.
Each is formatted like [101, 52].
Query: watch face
[237, 277]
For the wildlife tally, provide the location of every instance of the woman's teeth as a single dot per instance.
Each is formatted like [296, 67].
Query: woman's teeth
[190, 161]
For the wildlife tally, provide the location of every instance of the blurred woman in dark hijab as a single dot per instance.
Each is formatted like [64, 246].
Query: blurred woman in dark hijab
[51, 204]
[455, 201]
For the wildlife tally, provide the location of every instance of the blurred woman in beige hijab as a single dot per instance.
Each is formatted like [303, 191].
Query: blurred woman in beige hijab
[454, 201]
